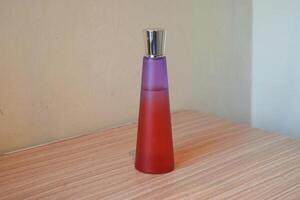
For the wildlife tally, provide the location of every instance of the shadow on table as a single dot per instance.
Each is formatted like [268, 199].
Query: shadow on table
[201, 147]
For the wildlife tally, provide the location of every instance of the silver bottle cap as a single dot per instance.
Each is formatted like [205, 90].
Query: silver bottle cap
[155, 39]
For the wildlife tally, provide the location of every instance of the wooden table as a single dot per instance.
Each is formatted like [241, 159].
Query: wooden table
[215, 159]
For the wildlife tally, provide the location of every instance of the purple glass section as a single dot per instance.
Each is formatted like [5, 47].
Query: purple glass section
[154, 75]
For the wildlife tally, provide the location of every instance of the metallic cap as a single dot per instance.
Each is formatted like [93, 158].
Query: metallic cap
[155, 42]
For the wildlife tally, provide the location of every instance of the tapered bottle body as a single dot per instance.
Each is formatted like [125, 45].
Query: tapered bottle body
[154, 149]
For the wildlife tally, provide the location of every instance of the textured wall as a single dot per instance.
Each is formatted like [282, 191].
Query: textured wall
[71, 67]
[222, 66]
[276, 66]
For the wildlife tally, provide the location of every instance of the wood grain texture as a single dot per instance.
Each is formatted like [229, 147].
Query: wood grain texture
[215, 159]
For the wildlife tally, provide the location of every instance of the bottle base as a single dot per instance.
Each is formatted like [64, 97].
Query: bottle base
[148, 171]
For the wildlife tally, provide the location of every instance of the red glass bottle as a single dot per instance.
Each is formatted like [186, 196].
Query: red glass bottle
[154, 149]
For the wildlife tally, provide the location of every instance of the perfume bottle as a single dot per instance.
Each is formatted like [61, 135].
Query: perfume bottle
[154, 148]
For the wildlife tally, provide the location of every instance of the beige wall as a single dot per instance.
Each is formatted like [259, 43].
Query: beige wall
[276, 66]
[222, 64]
[71, 67]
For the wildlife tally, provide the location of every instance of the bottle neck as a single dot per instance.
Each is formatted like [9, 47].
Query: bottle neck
[154, 76]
